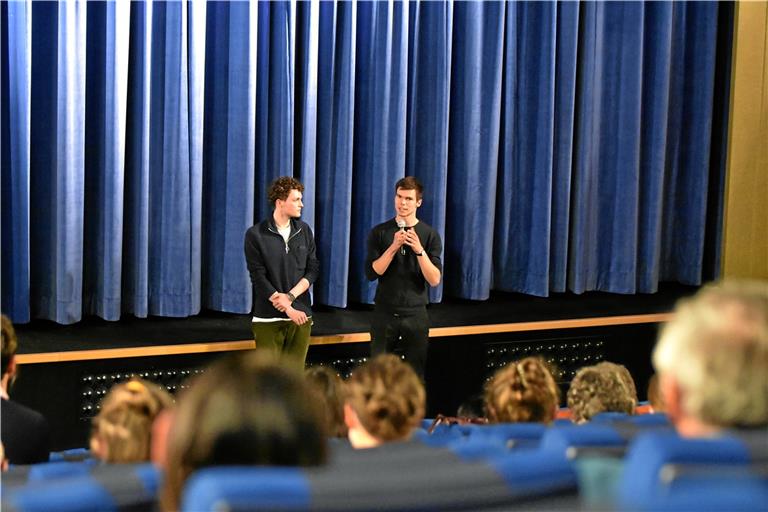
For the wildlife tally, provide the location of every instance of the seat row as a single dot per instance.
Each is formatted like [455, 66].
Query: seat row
[470, 468]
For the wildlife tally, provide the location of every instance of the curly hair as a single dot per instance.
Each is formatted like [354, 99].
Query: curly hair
[9, 343]
[328, 386]
[387, 396]
[281, 188]
[523, 391]
[596, 389]
[123, 427]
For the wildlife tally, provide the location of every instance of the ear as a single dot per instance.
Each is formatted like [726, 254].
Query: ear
[672, 395]
[350, 417]
[418, 203]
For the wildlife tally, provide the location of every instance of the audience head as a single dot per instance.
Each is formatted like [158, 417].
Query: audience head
[600, 388]
[328, 386]
[9, 347]
[385, 401]
[245, 409]
[522, 392]
[712, 359]
[122, 430]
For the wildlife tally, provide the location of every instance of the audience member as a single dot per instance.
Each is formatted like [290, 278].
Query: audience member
[523, 391]
[25, 433]
[385, 401]
[655, 399]
[712, 359]
[248, 409]
[624, 376]
[328, 385]
[122, 430]
[600, 388]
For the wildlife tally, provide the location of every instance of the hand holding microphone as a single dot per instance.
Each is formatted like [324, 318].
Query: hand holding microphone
[401, 225]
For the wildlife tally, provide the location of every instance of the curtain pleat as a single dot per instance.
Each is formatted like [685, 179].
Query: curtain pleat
[228, 168]
[562, 146]
[335, 131]
[473, 148]
[106, 96]
[15, 143]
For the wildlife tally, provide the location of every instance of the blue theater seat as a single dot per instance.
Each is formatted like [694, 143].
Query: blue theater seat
[574, 439]
[395, 481]
[659, 465]
[109, 487]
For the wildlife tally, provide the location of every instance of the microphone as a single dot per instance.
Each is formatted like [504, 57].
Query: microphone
[401, 225]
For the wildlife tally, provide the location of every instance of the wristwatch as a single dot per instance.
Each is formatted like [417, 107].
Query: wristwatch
[291, 296]
[419, 253]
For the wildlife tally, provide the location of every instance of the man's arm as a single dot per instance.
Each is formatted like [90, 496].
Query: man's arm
[282, 301]
[378, 262]
[429, 261]
[256, 267]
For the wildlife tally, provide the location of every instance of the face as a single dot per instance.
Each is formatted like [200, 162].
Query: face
[292, 205]
[406, 202]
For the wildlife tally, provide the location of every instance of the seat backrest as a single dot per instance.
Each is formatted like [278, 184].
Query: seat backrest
[645, 477]
[744, 495]
[246, 488]
[107, 487]
[567, 439]
[439, 481]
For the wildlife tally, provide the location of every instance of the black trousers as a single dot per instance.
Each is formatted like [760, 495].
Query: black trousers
[405, 334]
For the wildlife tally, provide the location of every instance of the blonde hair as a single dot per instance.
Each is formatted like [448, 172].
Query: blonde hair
[600, 388]
[245, 409]
[387, 396]
[123, 427]
[522, 392]
[716, 346]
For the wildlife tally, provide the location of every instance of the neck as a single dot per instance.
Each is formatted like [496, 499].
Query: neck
[693, 427]
[410, 220]
[359, 438]
[281, 220]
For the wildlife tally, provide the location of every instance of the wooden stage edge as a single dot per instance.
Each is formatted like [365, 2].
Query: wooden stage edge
[357, 337]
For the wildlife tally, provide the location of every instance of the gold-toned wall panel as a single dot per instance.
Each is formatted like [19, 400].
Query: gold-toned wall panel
[745, 229]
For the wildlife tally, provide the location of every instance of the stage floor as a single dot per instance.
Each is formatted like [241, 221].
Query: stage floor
[42, 336]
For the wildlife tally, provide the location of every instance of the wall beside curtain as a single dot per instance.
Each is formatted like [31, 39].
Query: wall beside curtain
[562, 146]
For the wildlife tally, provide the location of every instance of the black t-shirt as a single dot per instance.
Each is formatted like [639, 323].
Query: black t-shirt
[402, 288]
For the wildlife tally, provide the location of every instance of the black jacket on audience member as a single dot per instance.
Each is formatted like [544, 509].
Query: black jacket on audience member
[25, 434]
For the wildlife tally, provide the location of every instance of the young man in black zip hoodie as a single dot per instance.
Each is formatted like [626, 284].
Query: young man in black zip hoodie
[282, 260]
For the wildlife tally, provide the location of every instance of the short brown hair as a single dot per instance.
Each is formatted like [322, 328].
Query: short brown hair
[329, 388]
[387, 396]
[596, 389]
[124, 423]
[281, 187]
[10, 344]
[410, 183]
[523, 391]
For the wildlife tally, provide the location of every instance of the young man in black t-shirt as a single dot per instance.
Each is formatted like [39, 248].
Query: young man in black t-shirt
[404, 255]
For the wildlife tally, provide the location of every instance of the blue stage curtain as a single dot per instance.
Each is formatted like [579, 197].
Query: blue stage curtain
[16, 89]
[563, 146]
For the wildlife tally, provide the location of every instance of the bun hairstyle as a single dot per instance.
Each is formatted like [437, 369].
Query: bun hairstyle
[123, 427]
[599, 388]
[388, 397]
[522, 392]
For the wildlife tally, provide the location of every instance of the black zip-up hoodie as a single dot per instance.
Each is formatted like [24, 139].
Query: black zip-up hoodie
[276, 266]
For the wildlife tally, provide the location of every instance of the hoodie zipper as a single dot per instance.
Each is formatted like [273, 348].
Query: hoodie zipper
[290, 237]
